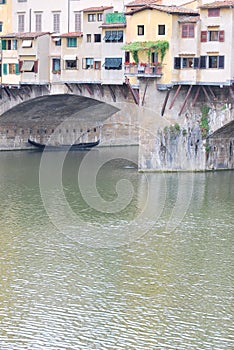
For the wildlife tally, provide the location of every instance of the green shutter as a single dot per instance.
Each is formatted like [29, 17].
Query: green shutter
[17, 68]
[5, 68]
[3, 44]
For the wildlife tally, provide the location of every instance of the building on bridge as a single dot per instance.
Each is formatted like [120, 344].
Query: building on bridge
[200, 52]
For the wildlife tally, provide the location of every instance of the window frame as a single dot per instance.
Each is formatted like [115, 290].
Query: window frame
[56, 22]
[71, 42]
[21, 22]
[140, 29]
[78, 21]
[97, 38]
[38, 22]
[88, 63]
[66, 67]
[188, 31]
[92, 17]
[99, 17]
[54, 69]
[161, 27]
[214, 12]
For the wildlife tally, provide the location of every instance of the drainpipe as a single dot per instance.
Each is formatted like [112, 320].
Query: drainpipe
[68, 16]
[30, 20]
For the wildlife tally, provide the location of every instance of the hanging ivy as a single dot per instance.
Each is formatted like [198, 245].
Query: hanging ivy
[160, 46]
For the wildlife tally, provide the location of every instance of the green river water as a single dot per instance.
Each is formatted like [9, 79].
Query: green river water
[144, 262]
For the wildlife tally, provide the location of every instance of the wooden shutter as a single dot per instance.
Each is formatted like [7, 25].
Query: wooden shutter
[17, 68]
[20, 66]
[36, 67]
[5, 70]
[221, 36]
[196, 62]
[203, 62]
[221, 61]
[203, 36]
[177, 62]
[3, 44]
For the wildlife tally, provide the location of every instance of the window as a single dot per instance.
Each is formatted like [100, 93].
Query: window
[26, 43]
[140, 30]
[91, 17]
[56, 22]
[77, 21]
[212, 62]
[97, 38]
[215, 61]
[21, 23]
[28, 66]
[1, 25]
[56, 65]
[9, 44]
[127, 57]
[212, 35]
[216, 35]
[88, 63]
[154, 57]
[188, 31]
[97, 64]
[161, 29]
[13, 68]
[113, 63]
[100, 17]
[70, 64]
[2, 1]
[38, 20]
[215, 12]
[186, 62]
[88, 37]
[71, 42]
[113, 36]
[58, 42]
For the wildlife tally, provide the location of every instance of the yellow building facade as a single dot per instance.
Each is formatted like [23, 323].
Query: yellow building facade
[5, 16]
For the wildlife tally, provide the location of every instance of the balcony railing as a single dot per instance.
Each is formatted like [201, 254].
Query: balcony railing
[143, 70]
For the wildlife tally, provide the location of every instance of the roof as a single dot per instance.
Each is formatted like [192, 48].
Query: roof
[168, 9]
[97, 9]
[218, 4]
[143, 2]
[29, 35]
[189, 19]
[71, 35]
[113, 25]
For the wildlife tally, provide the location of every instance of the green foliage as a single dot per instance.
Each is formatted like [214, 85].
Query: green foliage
[204, 123]
[184, 132]
[177, 127]
[160, 46]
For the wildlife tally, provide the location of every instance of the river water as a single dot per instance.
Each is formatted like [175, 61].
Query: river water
[134, 261]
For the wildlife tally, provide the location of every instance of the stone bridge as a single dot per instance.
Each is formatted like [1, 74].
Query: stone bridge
[123, 115]
[70, 112]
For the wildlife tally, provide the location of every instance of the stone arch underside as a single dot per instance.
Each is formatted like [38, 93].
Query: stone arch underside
[70, 117]
[221, 148]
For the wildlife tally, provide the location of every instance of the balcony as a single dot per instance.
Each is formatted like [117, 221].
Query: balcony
[143, 70]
